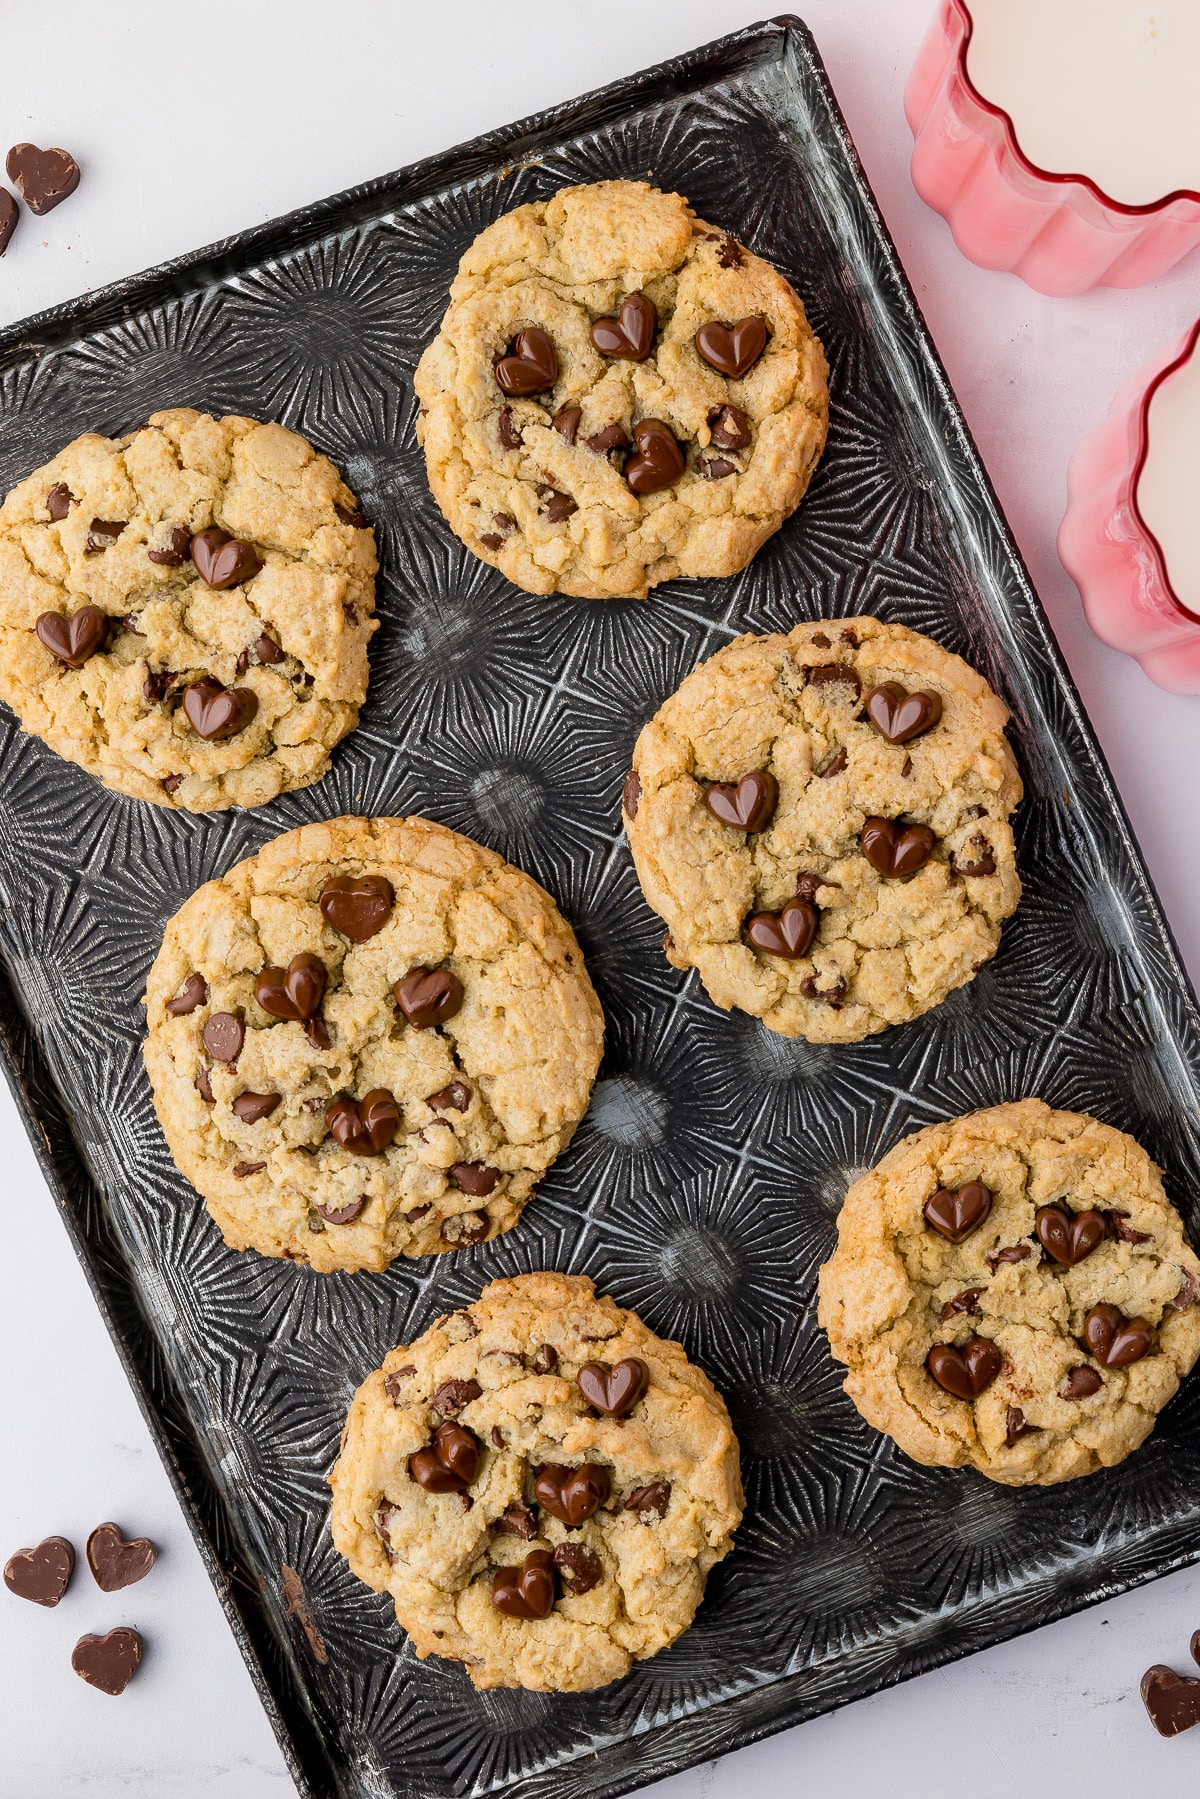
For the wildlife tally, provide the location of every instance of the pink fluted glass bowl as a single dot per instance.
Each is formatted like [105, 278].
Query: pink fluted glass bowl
[1110, 552]
[1060, 233]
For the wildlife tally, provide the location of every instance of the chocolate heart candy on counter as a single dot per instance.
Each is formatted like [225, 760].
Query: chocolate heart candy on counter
[110, 1662]
[42, 1574]
[43, 178]
[116, 1562]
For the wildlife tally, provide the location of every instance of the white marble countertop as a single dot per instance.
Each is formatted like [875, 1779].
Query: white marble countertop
[194, 121]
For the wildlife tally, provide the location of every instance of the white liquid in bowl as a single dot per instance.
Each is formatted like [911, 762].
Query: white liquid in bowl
[1104, 88]
[1168, 493]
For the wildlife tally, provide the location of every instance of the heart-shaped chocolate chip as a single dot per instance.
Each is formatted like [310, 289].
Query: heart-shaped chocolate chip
[72, 640]
[581, 1569]
[1081, 1383]
[223, 1036]
[43, 178]
[454, 1098]
[9, 215]
[295, 992]
[1069, 1239]
[732, 350]
[954, 1212]
[729, 428]
[527, 1591]
[658, 461]
[529, 366]
[428, 996]
[110, 1662]
[614, 1390]
[788, 933]
[115, 1562]
[449, 1463]
[364, 1126]
[964, 1372]
[475, 1178]
[1172, 1700]
[42, 1574]
[748, 805]
[222, 560]
[253, 1107]
[894, 849]
[357, 905]
[899, 715]
[630, 336]
[1115, 1340]
[572, 1494]
[215, 712]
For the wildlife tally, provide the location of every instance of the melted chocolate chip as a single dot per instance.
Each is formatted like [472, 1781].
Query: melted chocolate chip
[650, 1502]
[566, 422]
[223, 1036]
[580, 1568]
[450, 1398]
[193, 993]
[176, 551]
[59, 500]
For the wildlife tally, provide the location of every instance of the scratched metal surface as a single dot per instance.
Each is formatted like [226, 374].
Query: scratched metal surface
[703, 1185]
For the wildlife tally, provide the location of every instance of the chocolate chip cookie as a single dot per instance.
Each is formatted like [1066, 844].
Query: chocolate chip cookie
[618, 394]
[1014, 1291]
[185, 612]
[369, 1040]
[822, 820]
[541, 1484]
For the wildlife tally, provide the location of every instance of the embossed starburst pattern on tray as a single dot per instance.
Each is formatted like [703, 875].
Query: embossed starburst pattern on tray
[702, 1188]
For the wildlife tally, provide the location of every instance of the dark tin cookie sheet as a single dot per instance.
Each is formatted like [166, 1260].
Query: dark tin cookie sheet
[703, 1186]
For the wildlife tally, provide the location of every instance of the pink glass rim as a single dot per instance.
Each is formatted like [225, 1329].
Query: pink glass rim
[1139, 463]
[963, 10]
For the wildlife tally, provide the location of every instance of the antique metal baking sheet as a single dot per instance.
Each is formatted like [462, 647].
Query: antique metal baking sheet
[703, 1185]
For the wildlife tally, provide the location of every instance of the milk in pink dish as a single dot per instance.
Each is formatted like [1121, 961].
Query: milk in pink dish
[1101, 88]
[1060, 139]
[1168, 489]
[1131, 535]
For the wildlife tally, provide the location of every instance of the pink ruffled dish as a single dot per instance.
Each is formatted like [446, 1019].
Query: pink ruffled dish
[1060, 233]
[1110, 552]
